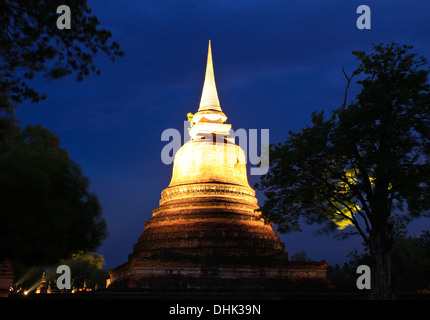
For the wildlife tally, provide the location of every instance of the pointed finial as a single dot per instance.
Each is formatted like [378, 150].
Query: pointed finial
[209, 100]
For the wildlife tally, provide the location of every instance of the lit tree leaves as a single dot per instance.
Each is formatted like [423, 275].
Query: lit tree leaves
[364, 162]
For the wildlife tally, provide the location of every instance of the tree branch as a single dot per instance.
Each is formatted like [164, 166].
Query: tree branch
[348, 79]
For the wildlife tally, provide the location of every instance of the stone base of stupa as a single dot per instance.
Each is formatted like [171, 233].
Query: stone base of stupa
[181, 274]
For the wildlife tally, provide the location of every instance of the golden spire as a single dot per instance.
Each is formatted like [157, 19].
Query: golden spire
[209, 119]
[209, 100]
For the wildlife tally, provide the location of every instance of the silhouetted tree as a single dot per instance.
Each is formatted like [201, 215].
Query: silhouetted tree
[46, 209]
[31, 43]
[367, 161]
[410, 264]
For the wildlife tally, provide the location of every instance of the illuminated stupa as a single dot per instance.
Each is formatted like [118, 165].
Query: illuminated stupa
[206, 233]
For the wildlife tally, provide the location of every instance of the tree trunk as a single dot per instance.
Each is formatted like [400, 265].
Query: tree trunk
[380, 247]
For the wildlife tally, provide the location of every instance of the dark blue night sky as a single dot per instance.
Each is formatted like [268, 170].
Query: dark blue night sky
[275, 62]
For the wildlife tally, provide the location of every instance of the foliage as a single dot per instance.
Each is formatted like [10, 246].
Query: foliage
[344, 277]
[86, 271]
[46, 209]
[31, 43]
[410, 266]
[369, 160]
[300, 256]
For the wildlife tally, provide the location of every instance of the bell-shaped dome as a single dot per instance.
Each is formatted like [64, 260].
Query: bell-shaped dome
[208, 161]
